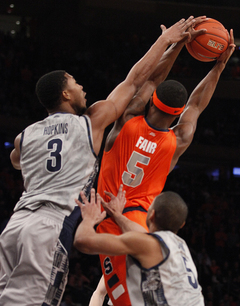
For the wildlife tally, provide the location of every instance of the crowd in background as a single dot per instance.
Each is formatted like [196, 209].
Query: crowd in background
[212, 229]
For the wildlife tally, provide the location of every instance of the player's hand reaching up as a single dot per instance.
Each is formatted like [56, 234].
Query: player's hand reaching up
[117, 203]
[91, 210]
[178, 31]
[224, 57]
[194, 33]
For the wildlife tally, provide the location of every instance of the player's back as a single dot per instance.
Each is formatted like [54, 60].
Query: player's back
[172, 282]
[139, 159]
[56, 160]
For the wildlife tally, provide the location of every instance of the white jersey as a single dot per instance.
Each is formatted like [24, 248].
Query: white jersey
[57, 161]
[172, 282]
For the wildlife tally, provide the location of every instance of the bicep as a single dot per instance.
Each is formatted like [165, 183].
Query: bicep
[105, 112]
[184, 131]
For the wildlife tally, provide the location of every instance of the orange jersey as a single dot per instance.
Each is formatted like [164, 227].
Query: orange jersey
[140, 159]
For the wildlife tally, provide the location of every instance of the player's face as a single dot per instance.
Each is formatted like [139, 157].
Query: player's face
[77, 95]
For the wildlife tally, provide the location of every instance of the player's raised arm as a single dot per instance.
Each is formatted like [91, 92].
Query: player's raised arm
[137, 105]
[198, 101]
[105, 112]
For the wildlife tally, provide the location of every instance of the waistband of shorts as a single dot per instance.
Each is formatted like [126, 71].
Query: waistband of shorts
[50, 213]
[132, 208]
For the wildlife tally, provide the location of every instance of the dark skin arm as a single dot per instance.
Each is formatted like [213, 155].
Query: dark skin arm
[197, 102]
[105, 112]
[137, 105]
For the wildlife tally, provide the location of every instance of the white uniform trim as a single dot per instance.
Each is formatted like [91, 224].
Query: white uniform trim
[172, 282]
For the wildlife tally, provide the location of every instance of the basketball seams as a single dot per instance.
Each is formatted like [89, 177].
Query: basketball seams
[212, 34]
[209, 46]
[205, 48]
[199, 57]
[209, 22]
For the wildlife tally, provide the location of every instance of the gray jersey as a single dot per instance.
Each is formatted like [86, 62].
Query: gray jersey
[57, 161]
[172, 282]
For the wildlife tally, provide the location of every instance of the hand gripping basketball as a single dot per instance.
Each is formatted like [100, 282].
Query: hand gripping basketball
[209, 46]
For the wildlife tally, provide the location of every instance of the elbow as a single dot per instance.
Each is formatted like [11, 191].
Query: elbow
[81, 245]
[78, 243]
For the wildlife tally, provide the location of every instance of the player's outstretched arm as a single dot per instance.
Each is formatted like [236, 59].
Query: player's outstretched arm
[88, 241]
[105, 112]
[137, 105]
[167, 60]
[198, 101]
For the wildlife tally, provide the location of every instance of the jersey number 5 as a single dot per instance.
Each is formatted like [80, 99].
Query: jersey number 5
[191, 277]
[133, 169]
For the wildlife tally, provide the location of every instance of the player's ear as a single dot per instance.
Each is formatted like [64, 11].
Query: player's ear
[65, 95]
[152, 215]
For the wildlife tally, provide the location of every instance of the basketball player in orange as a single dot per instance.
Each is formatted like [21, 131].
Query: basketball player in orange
[140, 152]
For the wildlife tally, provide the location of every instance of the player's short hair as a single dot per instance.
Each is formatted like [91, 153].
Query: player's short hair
[49, 88]
[172, 93]
[170, 211]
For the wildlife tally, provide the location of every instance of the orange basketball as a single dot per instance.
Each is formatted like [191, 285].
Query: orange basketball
[209, 46]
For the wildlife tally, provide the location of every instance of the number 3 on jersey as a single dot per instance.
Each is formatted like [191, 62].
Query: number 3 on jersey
[133, 169]
[54, 163]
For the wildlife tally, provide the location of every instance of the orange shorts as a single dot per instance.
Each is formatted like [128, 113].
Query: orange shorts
[114, 267]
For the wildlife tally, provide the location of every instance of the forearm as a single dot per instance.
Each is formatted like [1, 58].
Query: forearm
[84, 232]
[166, 62]
[202, 94]
[99, 294]
[143, 69]
[97, 299]
[137, 105]
[127, 225]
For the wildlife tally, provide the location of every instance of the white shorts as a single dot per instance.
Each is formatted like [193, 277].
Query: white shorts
[34, 249]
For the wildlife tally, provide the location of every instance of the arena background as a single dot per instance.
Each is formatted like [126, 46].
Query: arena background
[98, 41]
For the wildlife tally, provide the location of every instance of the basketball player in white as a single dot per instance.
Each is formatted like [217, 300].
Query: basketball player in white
[160, 269]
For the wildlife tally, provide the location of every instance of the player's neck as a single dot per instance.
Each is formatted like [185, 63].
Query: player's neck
[62, 108]
[159, 122]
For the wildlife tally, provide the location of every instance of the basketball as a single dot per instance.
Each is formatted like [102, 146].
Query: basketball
[210, 45]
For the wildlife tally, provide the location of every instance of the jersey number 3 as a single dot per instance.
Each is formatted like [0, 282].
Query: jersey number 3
[54, 163]
[133, 169]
